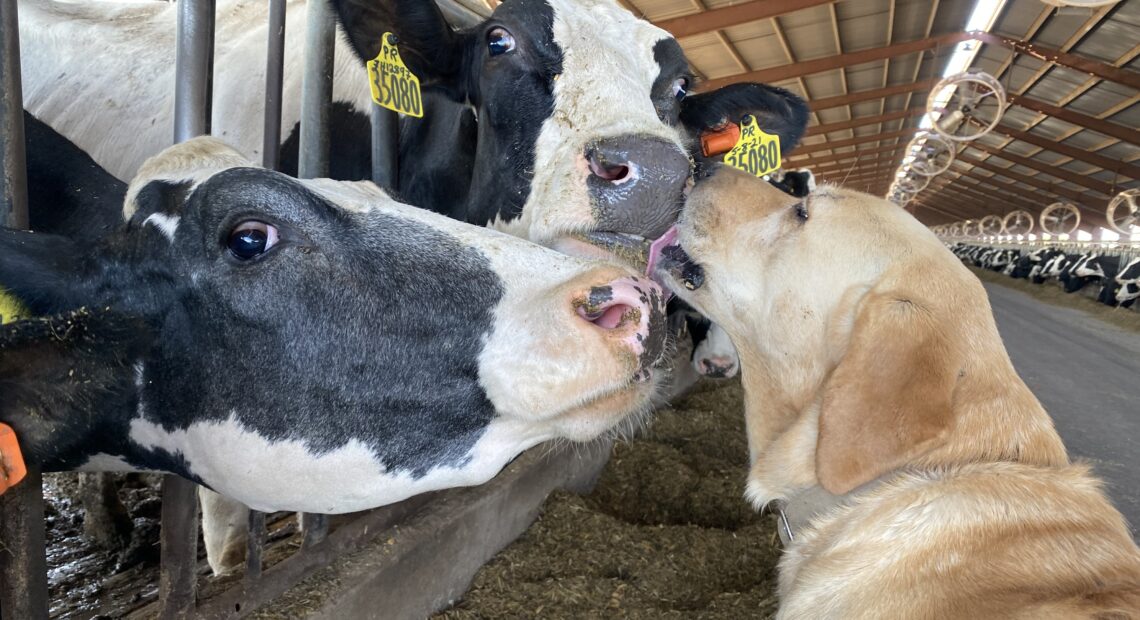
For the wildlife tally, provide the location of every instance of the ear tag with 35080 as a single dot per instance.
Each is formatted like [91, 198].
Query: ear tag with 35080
[756, 152]
[394, 86]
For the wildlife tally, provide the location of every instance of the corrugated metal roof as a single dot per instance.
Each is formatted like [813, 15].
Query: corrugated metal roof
[815, 29]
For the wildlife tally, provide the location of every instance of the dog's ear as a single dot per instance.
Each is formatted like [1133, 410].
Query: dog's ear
[890, 398]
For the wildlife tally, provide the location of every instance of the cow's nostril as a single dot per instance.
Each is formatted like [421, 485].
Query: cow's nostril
[608, 317]
[614, 173]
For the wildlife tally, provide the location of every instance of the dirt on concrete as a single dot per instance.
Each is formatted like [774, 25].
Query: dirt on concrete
[665, 534]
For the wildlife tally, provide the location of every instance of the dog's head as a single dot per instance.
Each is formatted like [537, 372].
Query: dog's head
[865, 345]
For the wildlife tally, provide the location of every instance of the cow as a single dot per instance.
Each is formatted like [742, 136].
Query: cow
[1128, 284]
[568, 123]
[578, 117]
[347, 350]
[713, 352]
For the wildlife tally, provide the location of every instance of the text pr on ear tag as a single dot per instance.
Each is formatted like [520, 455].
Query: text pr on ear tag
[756, 152]
[393, 84]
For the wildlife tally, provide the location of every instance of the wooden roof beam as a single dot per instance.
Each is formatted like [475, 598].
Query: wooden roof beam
[844, 166]
[1089, 66]
[733, 15]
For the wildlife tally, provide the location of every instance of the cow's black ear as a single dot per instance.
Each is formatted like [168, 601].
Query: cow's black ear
[427, 44]
[65, 379]
[41, 271]
[778, 111]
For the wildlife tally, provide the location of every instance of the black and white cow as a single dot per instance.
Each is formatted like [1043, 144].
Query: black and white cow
[713, 352]
[1128, 284]
[311, 345]
[580, 121]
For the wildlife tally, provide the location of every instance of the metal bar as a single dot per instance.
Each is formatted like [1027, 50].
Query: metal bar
[1112, 165]
[194, 59]
[385, 148]
[13, 166]
[316, 91]
[863, 120]
[313, 158]
[733, 15]
[1081, 120]
[23, 565]
[274, 77]
[1095, 68]
[193, 69]
[847, 59]
[1050, 170]
[316, 528]
[255, 544]
[178, 579]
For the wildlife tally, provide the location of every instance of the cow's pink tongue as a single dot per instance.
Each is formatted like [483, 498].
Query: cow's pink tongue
[655, 249]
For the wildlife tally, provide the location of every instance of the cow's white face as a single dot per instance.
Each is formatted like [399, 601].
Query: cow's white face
[614, 68]
[348, 351]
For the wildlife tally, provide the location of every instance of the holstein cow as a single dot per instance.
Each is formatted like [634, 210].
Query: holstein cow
[311, 345]
[585, 121]
[584, 118]
[713, 353]
[1128, 284]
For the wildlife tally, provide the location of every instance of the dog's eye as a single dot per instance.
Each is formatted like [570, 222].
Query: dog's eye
[251, 239]
[802, 210]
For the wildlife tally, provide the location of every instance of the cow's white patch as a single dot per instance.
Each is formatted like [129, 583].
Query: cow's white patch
[167, 224]
[608, 70]
[1082, 269]
[287, 475]
[117, 59]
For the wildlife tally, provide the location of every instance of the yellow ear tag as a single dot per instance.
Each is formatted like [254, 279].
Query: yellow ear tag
[756, 152]
[393, 85]
[10, 308]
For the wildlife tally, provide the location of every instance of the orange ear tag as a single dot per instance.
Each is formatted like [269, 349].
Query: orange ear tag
[12, 468]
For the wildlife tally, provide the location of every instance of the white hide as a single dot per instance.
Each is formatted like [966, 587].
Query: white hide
[286, 475]
[608, 70]
[121, 55]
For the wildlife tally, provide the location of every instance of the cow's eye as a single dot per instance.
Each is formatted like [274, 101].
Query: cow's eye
[251, 239]
[680, 88]
[499, 41]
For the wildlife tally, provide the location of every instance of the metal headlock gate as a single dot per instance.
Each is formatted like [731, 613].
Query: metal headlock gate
[23, 571]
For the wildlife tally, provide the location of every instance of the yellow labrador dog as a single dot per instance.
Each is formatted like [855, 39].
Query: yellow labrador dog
[915, 473]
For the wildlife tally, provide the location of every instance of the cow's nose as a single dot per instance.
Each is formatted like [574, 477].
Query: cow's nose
[632, 310]
[637, 183]
[718, 367]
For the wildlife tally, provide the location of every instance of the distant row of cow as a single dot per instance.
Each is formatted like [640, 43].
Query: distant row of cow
[1118, 278]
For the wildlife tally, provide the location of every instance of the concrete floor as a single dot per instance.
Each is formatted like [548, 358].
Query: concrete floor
[1087, 375]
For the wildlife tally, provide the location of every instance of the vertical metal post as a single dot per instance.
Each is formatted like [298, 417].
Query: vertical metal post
[274, 76]
[254, 545]
[23, 565]
[194, 68]
[316, 91]
[13, 173]
[313, 158]
[385, 148]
